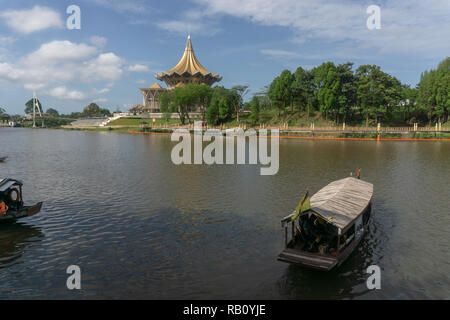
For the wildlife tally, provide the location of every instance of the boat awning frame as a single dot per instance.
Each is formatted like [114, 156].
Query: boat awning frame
[340, 202]
[5, 184]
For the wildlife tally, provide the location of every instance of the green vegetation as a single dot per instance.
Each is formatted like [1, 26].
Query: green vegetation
[326, 95]
[365, 95]
[93, 110]
[217, 105]
[52, 118]
[29, 106]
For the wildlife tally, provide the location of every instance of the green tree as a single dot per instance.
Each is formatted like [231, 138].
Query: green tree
[280, 91]
[104, 112]
[181, 100]
[327, 83]
[408, 105]
[212, 113]
[52, 112]
[29, 106]
[377, 92]
[223, 105]
[346, 91]
[91, 110]
[434, 92]
[255, 108]
[240, 91]
[202, 96]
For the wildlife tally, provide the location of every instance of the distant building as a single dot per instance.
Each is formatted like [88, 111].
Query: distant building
[188, 70]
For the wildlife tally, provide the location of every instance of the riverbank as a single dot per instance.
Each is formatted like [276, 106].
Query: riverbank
[317, 133]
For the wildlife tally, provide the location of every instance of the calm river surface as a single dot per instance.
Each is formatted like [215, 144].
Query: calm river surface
[141, 227]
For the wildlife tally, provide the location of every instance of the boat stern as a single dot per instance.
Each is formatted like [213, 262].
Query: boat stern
[309, 260]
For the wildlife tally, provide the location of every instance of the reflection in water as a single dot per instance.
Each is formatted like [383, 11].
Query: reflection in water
[142, 227]
[14, 240]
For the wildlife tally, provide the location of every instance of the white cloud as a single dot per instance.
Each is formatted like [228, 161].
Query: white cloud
[407, 26]
[101, 91]
[57, 51]
[60, 63]
[98, 41]
[8, 72]
[131, 6]
[138, 68]
[191, 22]
[281, 54]
[107, 66]
[31, 20]
[62, 93]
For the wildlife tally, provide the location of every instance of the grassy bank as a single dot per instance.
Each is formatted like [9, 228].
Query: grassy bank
[136, 122]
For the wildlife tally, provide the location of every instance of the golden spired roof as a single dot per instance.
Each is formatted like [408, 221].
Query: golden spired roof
[188, 64]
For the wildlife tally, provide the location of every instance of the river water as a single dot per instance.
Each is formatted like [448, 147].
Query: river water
[139, 226]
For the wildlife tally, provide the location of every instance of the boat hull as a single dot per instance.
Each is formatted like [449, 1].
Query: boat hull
[308, 260]
[26, 211]
[318, 261]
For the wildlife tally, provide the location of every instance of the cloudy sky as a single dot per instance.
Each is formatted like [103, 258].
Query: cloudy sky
[122, 44]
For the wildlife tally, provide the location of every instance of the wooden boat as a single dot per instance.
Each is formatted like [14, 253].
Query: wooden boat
[2, 159]
[11, 203]
[325, 234]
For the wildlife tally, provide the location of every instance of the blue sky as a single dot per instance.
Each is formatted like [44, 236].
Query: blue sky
[121, 45]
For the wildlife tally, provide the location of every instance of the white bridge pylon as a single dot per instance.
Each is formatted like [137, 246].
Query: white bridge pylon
[38, 108]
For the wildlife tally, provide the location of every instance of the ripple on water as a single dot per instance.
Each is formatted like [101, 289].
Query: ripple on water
[141, 227]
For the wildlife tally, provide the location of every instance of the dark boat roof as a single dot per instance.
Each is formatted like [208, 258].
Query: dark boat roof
[5, 184]
[342, 201]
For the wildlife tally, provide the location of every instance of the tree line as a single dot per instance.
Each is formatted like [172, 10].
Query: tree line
[339, 93]
[91, 110]
[343, 94]
[216, 105]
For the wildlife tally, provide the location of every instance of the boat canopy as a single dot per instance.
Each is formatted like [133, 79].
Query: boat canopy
[5, 184]
[342, 201]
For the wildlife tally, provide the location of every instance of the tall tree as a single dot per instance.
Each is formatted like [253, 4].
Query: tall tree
[327, 83]
[377, 92]
[346, 91]
[280, 91]
[254, 109]
[202, 94]
[241, 91]
[181, 100]
[52, 112]
[442, 84]
[91, 110]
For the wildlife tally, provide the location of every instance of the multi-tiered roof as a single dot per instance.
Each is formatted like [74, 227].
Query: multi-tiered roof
[188, 70]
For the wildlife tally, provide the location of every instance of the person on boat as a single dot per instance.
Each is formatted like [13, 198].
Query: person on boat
[3, 208]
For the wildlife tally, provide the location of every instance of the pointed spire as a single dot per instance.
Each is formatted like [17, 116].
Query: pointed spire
[189, 62]
[189, 45]
[189, 65]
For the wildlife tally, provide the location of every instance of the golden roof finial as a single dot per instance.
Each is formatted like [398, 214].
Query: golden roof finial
[188, 65]
[188, 62]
